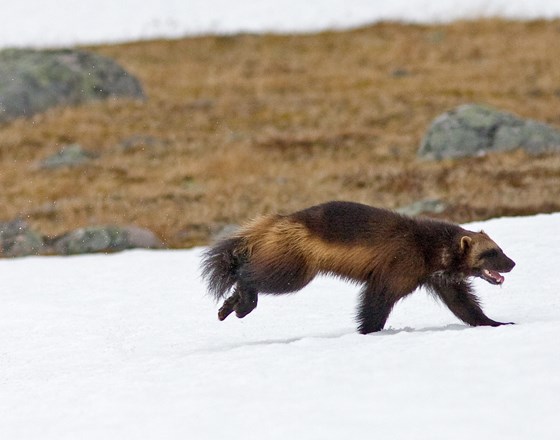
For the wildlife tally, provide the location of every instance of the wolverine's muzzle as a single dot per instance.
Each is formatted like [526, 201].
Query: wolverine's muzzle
[494, 275]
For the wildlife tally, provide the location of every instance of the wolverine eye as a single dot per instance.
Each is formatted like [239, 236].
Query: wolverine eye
[491, 253]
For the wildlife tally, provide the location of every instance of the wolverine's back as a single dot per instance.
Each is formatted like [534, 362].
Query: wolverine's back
[350, 222]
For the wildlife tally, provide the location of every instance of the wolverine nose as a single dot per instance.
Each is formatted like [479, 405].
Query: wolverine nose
[511, 264]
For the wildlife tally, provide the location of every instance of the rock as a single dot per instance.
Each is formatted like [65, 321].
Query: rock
[103, 239]
[474, 130]
[69, 156]
[433, 206]
[32, 81]
[17, 240]
[142, 238]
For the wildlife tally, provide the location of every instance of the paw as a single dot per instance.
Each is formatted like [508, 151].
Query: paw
[497, 324]
[242, 309]
[224, 312]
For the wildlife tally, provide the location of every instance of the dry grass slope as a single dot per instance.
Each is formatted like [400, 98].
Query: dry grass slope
[243, 125]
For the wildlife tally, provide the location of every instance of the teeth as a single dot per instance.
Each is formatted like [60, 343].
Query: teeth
[497, 277]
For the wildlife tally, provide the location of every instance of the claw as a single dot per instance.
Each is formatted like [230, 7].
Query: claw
[228, 307]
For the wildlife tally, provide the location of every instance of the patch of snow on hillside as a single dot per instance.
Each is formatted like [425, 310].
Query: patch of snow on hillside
[67, 22]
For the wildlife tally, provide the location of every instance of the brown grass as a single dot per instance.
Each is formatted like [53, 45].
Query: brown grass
[244, 125]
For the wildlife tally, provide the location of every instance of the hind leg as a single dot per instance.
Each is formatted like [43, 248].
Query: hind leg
[288, 275]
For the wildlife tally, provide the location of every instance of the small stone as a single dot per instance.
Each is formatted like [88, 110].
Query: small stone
[69, 156]
[400, 72]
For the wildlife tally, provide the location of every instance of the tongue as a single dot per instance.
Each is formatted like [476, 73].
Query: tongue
[497, 276]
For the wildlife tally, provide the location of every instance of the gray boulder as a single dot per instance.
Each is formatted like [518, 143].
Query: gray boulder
[474, 130]
[17, 240]
[103, 239]
[32, 81]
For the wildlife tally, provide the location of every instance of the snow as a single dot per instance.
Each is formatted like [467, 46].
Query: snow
[68, 22]
[129, 346]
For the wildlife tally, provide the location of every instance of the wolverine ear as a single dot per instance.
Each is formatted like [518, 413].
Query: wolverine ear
[466, 243]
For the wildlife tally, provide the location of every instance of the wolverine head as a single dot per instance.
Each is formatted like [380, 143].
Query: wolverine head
[484, 257]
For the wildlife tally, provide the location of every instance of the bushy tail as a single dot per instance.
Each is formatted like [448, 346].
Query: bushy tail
[220, 264]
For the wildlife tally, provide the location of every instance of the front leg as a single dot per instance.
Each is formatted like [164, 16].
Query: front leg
[460, 299]
[374, 308]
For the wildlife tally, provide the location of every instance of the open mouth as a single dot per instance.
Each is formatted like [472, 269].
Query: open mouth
[492, 276]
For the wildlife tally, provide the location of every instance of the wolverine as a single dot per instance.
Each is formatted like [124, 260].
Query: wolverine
[389, 254]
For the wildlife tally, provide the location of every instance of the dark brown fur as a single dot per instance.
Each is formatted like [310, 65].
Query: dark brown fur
[390, 254]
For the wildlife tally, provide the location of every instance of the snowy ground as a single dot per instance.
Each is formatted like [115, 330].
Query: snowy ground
[128, 346]
[68, 22]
